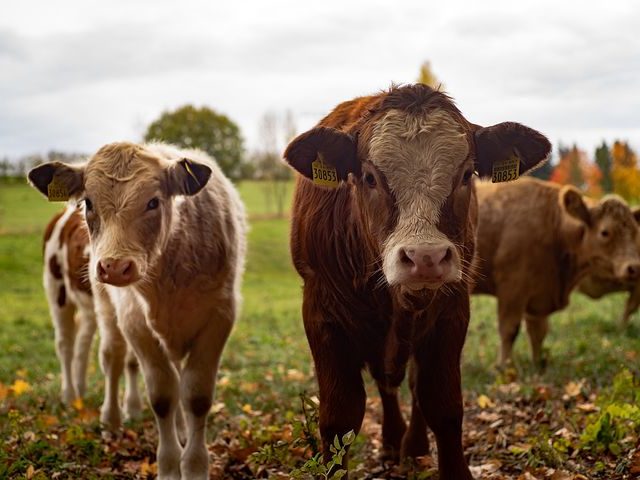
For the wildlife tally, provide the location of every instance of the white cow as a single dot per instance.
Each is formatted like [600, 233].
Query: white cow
[167, 235]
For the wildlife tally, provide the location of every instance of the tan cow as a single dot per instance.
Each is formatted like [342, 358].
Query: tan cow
[70, 296]
[533, 253]
[167, 234]
[599, 284]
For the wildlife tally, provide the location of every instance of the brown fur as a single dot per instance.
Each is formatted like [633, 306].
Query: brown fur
[599, 284]
[352, 318]
[75, 237]
[536, 241]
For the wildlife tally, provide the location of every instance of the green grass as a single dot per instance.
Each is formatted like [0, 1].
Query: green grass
[267, 363]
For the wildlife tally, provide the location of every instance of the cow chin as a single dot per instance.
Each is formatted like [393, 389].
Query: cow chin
[412, 284]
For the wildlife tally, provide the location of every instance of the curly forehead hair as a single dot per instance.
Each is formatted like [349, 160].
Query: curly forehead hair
[122, 160]
[614, 206]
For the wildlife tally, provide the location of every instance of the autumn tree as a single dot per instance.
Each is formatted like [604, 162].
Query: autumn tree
[574, 168]
[624, 171]
[603, 160]
[205, 129]
[427, 77]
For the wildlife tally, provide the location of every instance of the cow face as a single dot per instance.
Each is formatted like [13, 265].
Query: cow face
[607, 235]
[410, 164]
[128, 196]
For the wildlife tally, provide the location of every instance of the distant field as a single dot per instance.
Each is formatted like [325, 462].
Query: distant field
[266, 364]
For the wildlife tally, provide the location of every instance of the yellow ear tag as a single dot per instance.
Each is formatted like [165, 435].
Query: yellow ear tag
[324, 174]
[188, 167]
[57, 191]
[506, 170]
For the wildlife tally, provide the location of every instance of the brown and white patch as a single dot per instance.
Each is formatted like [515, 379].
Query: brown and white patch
[420, 156]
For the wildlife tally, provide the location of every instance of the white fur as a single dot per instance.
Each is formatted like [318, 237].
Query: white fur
[419, 155]
[75, 325]
[178, 315]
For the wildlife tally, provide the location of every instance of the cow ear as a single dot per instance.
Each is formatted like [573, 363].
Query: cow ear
[636, 214]
[573, 203]
[58, 181]
[500, 142]
[186, 177]
[332, 147]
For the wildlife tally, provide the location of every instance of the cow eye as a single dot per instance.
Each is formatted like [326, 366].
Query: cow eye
[88, 205]
[466, 178]
[370, 179]
[153, 204]
[605, 233]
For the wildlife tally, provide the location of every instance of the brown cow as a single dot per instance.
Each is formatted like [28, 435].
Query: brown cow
[167, 237]
[385, 257]
[599, 284]
[75, 305]
[532, 254]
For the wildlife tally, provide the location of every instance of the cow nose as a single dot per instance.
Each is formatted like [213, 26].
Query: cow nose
[633, 271]
[117, 271]
[430, 263]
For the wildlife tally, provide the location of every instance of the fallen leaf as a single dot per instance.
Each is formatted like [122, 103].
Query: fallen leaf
[78, 404]
[573, 389]
[19, 387]
[519, 448]
[485, 402]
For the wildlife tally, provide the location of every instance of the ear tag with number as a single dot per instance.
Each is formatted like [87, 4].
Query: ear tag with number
[57, 191]
[506, 170]
[323, 174]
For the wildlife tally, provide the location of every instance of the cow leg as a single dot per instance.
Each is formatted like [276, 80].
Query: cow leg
[82, 348]
[65, 333]
[438, 387]
[113, 348]
[341, 389]
[393, 425]
[161, 379]
[415, 442]
[537, 329]
[631, 307]
[197, 386]
[509, 318]
[132, 401]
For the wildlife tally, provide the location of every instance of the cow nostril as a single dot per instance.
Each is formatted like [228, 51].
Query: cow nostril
[447, 256]
[127, 269]
[404, 258]
[632, 270]
[101, 269]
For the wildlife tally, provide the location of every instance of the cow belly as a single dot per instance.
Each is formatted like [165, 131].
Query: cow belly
[546, 304]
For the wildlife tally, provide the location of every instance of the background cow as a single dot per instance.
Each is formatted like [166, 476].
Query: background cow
[385, 256]
[70, 295]
[167, 234]
[598, 284]
[536, 241]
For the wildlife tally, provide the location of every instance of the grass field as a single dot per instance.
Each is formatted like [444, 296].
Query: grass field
[266, 367]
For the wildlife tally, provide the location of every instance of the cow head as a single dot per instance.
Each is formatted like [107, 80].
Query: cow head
[410, 161]
[606, 235]
[129, 195]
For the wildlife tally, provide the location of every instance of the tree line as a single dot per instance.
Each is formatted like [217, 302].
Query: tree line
[612, 169]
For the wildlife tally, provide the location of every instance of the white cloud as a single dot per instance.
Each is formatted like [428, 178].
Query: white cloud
[77, 74]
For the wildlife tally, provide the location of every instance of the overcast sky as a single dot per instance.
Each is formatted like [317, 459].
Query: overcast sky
[75, 74]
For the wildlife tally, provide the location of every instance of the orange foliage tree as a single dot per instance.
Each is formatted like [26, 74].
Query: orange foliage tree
[575, 168]
[624, 171]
